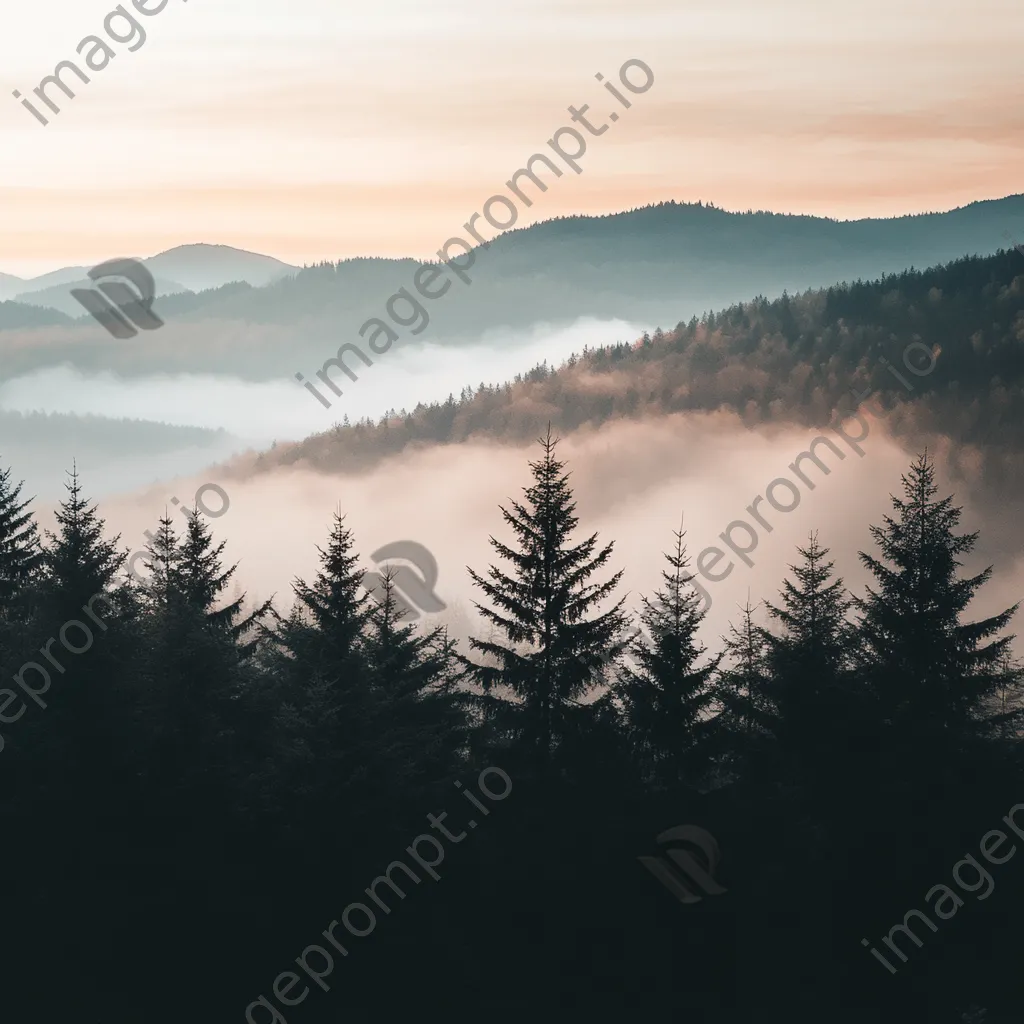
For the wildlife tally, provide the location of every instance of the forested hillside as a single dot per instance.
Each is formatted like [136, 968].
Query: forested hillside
[797, 359]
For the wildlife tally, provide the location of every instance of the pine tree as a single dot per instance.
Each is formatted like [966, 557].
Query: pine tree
[195, 667]
[201, 579]
[328, 706]
[327, 622]
[668, 697]
[85, 620]
[554, 653]
[20, 553]
[20, 561]
[934, 675]
[1005, 706]
[162, 557]
[748, 713]
[422, 716]
[403, 660]
[743, 686]
[813, 617]
[809, 660]
[79, 562]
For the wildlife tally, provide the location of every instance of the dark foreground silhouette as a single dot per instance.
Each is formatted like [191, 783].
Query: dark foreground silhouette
[206, 794]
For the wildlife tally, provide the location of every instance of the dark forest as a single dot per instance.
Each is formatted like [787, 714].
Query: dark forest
[196, 790]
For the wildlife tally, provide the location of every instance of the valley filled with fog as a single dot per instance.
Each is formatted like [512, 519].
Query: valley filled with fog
[237, 414]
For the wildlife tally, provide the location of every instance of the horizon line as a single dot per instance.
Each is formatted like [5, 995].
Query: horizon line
[707, 205]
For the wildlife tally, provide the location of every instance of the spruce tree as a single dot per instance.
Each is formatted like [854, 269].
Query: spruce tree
[20, 561]
[201, 579]
[809, 662]
[554, 646]
[813, 612]
[327, 705]
[161, 561]
[803, 756]
[325, 629]
[81, 743]
[20, 553]
[79, 562]
[421, 713]
[403, 660]
[934, 675]
[744, 684]
[667, 695]
[196, 650]
[748, 713]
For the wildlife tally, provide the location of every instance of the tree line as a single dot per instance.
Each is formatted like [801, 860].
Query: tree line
[209, 776]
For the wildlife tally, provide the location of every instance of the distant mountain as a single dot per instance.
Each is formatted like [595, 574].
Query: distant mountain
[656, 265]
[185, 268]
[53, 278]
[118, 454]
[99, 434]
[201, 266]
[19, 314]
[10, 286]
[58, 296]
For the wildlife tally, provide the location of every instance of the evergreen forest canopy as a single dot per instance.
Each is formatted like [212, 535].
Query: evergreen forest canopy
[203, 787]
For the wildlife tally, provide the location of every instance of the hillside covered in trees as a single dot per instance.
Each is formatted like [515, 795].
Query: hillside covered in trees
[197, 791]
[798, 359]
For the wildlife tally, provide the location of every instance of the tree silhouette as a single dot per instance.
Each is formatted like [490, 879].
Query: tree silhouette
[554, 653]
[817, 717]
[933, 674]
[667, 697]
[20, 553]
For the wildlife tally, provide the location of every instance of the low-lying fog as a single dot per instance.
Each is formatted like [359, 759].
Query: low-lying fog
[632, 483]
[256, 414]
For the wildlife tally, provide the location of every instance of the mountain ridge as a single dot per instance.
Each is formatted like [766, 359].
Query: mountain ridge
[659, 264]
[192, 267]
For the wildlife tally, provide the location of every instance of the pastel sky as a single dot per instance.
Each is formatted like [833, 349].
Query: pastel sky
[321, 129]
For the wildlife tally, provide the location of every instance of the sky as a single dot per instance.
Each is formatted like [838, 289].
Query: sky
[323, 129]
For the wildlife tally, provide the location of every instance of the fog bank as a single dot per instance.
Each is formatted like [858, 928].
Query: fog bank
[633, 483]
